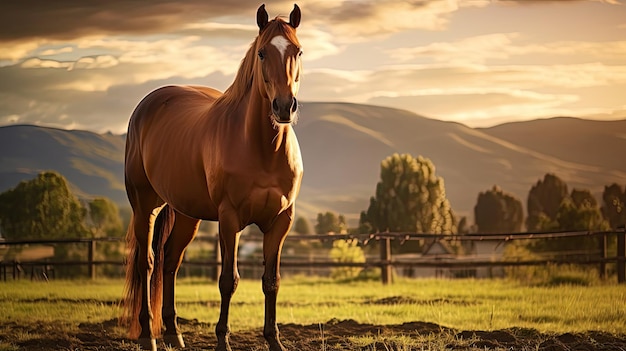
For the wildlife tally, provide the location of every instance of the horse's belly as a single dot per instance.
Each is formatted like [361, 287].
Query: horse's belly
[192, 201]
[206, 211]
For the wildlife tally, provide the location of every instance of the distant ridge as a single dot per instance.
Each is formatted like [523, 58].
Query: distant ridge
[92, 163]
[342, 146]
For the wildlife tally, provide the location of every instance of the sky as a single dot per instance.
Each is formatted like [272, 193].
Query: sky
[78, 64]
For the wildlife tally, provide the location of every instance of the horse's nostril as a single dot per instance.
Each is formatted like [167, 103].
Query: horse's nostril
[275, 105]
[294, 105]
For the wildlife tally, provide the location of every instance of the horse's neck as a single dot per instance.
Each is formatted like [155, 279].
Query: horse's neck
[272, 141]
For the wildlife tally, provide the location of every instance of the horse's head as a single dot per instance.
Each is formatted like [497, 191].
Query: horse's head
[278, 65]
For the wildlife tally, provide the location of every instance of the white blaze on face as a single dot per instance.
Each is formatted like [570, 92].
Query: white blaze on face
[281, 44]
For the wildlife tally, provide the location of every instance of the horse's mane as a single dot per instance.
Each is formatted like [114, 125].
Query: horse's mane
[243, 80]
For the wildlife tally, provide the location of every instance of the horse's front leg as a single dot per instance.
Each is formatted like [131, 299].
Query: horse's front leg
[272, 247]
[229, 279]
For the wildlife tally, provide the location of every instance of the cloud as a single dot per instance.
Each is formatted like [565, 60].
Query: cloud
[474, 49]
[11, 52]
[543, 2]
[82, 66]
[503, 46]
[476, 105]
[71, 19]
[476, 92]
[354, 21]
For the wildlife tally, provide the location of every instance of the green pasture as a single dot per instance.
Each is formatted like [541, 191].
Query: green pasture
[465, 304]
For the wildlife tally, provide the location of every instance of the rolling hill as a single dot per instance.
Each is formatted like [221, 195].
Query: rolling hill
[342, 146]
[92, 163]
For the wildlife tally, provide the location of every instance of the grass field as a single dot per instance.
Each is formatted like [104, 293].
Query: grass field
[460, 304]
[485, 305]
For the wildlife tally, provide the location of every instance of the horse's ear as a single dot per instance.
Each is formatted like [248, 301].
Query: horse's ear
[262, 17]
[294, 17]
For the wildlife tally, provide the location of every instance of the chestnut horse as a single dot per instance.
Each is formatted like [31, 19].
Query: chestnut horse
[193, 153]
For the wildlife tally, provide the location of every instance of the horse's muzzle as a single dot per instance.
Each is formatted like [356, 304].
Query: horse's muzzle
[284, 111]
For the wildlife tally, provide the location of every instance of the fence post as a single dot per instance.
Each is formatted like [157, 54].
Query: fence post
[90, 257]
[385, 260]
[16, 269]
[621, 256]
[602, 241]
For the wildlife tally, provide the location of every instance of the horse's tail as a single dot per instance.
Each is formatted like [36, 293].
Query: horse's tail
[132, 290]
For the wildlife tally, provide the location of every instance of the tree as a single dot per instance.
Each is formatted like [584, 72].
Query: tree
[580, 212]
[41, 208]
[614, 205]
[577, 212]
[302, 226]
[498, 212]
[544, 200]
[329, 222]
[409, 198]
[105, 218]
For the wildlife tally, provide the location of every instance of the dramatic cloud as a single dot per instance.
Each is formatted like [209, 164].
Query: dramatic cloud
[71, 65]
[359, 19]
[71, 19]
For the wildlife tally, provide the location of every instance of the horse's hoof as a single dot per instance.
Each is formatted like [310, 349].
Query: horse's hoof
[174, 340]
[276, 345]
[147, 344]
[222, 346]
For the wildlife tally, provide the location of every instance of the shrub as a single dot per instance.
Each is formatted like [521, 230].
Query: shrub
[346, 251]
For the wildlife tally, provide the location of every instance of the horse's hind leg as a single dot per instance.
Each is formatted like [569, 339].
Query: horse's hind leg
[183, 232]
[143, 223]
[145, 203]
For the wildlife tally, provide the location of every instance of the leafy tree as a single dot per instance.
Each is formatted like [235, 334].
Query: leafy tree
[580, 212]
[364, 225]
[614, 205]
[498, 212]
[577, 212]
[544, 200]
[41, 208]
[329, 222]
[302, 226]
[105, 218]
[409, 198]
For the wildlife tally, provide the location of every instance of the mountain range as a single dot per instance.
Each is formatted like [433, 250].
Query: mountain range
[342, 147]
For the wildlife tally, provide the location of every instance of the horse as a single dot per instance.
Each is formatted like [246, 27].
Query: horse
[193, 153]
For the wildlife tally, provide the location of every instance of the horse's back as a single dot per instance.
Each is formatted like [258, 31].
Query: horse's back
[161, 102]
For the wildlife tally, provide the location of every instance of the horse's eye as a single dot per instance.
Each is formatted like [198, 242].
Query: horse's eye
[300, 53]
[261, 55]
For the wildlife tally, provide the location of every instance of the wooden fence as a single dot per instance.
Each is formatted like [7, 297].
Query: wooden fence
[385, 261]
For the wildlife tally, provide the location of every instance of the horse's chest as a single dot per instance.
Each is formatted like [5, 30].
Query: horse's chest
[259, 202]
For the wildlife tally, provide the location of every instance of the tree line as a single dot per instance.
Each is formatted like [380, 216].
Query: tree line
[46, 208]
[410, 197]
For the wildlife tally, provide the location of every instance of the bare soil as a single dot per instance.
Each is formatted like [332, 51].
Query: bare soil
[332, 335]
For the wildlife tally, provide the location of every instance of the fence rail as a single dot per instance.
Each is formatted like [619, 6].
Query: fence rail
[385, 262]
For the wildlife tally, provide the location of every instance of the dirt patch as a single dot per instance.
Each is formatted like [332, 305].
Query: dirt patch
[403, 300]
[332, 335]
